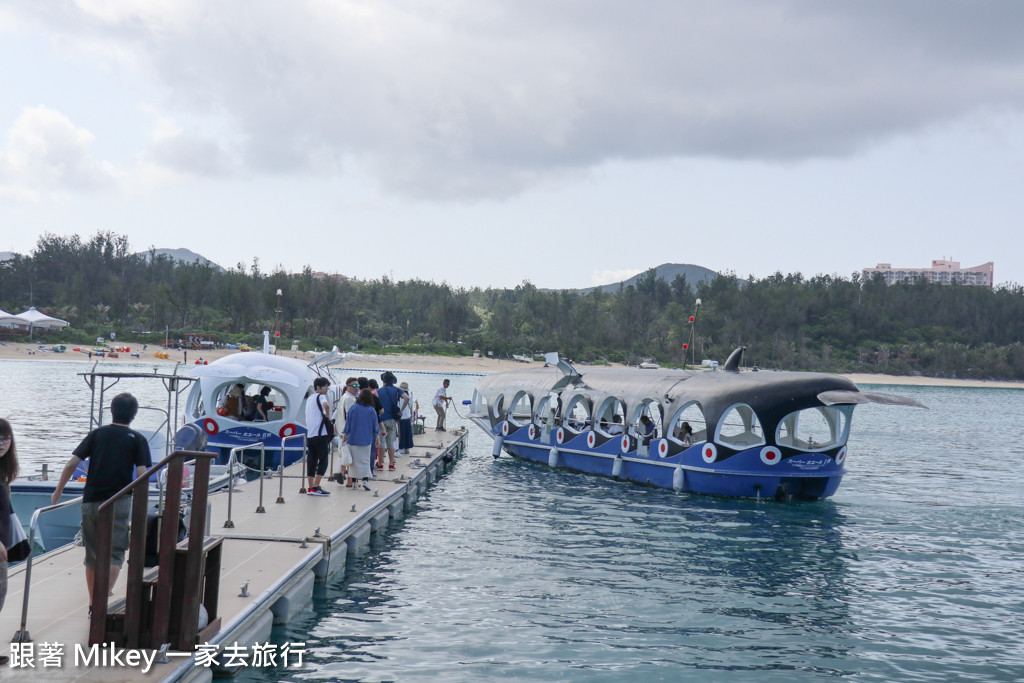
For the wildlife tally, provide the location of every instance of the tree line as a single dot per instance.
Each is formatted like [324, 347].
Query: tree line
[786, 321]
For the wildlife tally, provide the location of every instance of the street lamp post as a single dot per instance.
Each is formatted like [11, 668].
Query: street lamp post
[277, 330]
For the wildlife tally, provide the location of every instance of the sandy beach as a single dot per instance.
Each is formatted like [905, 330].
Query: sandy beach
[402, 361]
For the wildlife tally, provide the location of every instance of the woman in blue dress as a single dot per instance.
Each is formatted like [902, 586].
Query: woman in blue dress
[360, 433]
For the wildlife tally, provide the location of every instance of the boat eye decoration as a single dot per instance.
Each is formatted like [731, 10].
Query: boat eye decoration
[504, 428]
[663, 448]
[591, 439]
[532, 432]
[624, 444]
[210, 426]
[560, 435]
[709, 453]
[841, 456]
[770, 455]
[288, 430]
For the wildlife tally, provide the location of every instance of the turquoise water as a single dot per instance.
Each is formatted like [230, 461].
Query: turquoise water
[914, 571]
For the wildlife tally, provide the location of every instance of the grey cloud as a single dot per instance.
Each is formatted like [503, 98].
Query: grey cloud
[474, 98]
[190, 154]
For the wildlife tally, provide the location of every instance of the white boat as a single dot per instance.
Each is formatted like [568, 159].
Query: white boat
[282, 434]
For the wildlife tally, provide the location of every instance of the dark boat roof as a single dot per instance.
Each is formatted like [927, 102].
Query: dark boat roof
[765, 391]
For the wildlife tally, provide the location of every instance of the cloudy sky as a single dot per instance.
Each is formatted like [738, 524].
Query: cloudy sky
[487, 142]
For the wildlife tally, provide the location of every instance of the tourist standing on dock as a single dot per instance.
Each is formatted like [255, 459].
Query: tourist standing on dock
[348, 399]
[8, 473]
[117, 456]
[318, 435]
[393, 401]
[361, 430]
[405, 423]
[441, 401]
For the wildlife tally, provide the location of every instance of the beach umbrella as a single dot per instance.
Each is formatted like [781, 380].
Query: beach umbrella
[41, 321]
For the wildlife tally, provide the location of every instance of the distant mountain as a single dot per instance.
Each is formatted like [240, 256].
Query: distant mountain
[6, 256]
[183, 255]
[668, 273]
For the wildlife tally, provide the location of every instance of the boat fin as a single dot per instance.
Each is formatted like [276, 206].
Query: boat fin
[842, 397]
[732, 364]
[324, 358]
[552, 358]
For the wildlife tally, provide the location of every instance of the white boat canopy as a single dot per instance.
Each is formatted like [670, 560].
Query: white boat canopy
[261, 374]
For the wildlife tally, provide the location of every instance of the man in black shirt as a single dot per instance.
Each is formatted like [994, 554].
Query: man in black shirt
[118, 455]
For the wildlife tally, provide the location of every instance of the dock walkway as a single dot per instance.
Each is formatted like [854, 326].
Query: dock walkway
[269, 563]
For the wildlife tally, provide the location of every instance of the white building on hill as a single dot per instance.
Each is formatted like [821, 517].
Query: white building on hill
[942, 272]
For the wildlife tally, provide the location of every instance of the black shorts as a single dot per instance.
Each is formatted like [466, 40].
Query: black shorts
[316, 460]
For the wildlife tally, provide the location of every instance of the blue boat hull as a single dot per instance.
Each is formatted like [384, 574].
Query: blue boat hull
[800, 476]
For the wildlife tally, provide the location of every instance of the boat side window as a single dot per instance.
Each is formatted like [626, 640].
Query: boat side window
[195, 406]
[654, 411]
[577, 415]
[521, 410]
[479, 403]
[815, 429]
[544, 417]
[740, 428]
[545, 414]
[692, 415]
[611, 417]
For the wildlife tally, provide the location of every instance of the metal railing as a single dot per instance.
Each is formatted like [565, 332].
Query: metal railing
[161, 603]
[305, 453]
[22, 635]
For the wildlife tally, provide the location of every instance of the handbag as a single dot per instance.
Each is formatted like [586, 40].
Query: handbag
[19, 548]
[328, 425]
[346, 455]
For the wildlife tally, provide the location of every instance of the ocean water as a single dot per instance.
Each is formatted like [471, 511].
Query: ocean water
[507, 570]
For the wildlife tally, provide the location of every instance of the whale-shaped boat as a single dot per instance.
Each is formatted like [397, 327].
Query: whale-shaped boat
[768, 434]
[290, 381]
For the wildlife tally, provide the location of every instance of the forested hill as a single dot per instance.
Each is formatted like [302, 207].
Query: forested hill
[786, 321]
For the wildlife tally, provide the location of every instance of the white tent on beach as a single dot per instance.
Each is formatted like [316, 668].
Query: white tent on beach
[10, 320]
[40, 321]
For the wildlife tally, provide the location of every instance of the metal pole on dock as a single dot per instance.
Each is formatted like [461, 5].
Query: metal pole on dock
[263, 452]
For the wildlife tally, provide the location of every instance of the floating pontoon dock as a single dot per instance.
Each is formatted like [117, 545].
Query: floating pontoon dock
[268, 563]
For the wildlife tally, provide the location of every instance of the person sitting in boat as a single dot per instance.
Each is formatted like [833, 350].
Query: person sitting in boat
[685, 434]
[232, 406]
[615, 428]
[259, 405]
[648, 430]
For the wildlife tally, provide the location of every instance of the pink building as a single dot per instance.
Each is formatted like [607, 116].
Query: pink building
[942, 272]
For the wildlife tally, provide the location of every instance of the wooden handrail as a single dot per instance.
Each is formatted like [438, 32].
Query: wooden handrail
[137, 549]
